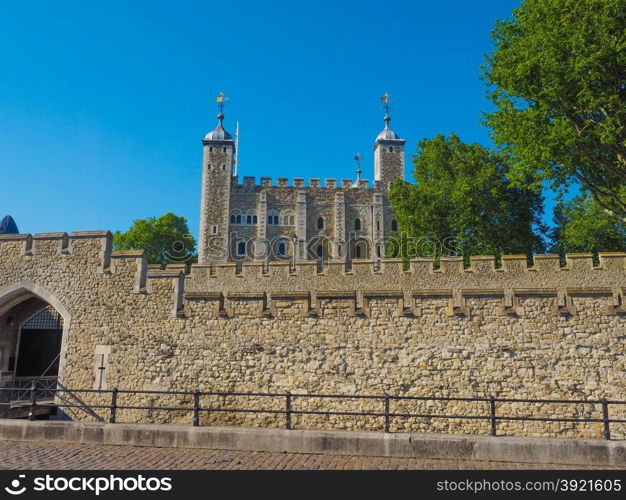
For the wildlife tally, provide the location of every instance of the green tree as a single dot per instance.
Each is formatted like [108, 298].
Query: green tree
[582, 226]
[165, 239]
[558, 80]
[463, 201]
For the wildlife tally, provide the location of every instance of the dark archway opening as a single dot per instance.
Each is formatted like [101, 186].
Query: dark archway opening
[40, 344]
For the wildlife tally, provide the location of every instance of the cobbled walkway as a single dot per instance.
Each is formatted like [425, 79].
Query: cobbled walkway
[29, 455]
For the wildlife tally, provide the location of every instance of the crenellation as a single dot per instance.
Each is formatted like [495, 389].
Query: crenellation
[298, 182]
[279, 270]
[16, 244]
[171, 283]
[546, 263]
[346, 183]
[450, 265]
[314, 183]
[582, 261]
[391, 267]
[421, 266]
[614, 261]
[363, 268]
[334, 268]
[514, 264]
[223, 270]
[50, 243]
[305, 270]
[331, 183]
[266, 181]
[482, 264]
[96, 246]
[482, 271]
[282, 181]
[131, 263]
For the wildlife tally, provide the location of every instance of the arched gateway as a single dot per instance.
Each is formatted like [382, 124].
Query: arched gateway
[32, 326]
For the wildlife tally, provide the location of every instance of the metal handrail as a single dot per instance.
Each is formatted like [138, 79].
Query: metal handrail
[288, 411]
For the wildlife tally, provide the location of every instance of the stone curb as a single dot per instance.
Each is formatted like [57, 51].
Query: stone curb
[423, 446]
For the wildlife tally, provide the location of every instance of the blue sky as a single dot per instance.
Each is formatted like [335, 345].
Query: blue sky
[103, 104]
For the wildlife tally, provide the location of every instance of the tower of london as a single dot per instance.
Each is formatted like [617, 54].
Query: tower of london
[346, 220]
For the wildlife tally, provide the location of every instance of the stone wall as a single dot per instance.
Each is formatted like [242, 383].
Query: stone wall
[519, 331]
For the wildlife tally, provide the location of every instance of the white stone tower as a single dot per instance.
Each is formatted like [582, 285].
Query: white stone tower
[388, 153]
[217, 172]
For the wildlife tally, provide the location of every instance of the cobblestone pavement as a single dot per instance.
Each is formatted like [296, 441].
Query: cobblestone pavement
[29, 455]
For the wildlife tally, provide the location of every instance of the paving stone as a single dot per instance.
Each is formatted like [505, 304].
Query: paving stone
[42, 456]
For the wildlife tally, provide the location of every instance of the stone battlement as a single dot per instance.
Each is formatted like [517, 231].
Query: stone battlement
[264, 287]
[249, 182]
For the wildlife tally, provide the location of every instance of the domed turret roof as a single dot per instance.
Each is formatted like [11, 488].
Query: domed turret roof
[387, 134]
[218, 133]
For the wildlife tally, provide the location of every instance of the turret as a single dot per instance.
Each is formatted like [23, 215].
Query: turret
[217, 171]
[388, 153]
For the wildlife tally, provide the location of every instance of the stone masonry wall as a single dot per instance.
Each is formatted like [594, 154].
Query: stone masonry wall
[543, 331]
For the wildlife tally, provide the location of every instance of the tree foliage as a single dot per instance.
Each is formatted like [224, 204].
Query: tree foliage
[558, 80]
[582, 226]
[165, 239]
[463, 201]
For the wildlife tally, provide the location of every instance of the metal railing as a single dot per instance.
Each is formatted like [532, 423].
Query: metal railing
[288, 411]
[22, 387]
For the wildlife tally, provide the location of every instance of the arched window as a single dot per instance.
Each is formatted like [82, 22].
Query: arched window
[241, 248]
[394, 225]
[272, 217]
[211, 149]
[249, 217]
[390, 149]
[357, 224]
[282, 249]
[208, 166]
[286, 218]
[320, 223]
[357, 253]
[377, 225]
[223, 166]
[224, 149]
[292, 220]
[255, 220]
[235, 217]
[320, 251]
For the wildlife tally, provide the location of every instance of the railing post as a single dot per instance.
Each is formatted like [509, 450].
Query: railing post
[605, 418]
[492, 415]
[113, 409]
[386, 412]
[288, 411]
[33, 400]
[196, 409]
